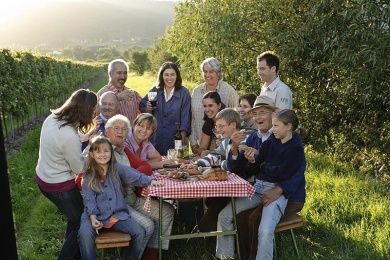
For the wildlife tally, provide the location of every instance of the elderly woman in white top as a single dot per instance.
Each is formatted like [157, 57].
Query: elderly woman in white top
[213, 81]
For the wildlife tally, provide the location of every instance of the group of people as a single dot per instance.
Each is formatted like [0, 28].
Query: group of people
[97, 152]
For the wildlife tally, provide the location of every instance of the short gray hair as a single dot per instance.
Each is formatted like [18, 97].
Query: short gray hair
[105, 94]
[214, 65]
[112, 64]
[116, 118]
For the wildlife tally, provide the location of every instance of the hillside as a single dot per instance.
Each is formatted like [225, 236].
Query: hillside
[59, 24]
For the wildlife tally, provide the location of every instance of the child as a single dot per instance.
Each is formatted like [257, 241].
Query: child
[105, 205]
[278, 160]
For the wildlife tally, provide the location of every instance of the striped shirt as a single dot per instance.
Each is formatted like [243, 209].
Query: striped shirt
[228, 95]
[128, 108]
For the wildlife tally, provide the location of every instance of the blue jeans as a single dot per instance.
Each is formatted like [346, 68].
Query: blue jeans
[270, 218]
[70, 203]
[87, 235]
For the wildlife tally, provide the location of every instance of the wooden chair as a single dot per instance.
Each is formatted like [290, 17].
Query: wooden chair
[112, 239]
[290, 223]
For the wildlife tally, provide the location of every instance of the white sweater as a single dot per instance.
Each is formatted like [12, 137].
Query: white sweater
[59, 152]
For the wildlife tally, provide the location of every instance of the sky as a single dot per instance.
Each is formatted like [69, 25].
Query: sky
[12, 9]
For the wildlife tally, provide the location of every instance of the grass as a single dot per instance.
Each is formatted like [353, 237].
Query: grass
[346, 212]
[142, 84]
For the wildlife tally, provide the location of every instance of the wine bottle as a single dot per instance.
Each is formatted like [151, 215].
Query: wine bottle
[178, 141]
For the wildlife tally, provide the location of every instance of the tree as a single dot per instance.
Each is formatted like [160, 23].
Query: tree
[139, 62]
[334, 55]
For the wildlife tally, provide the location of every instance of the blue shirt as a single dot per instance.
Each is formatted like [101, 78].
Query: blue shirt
[111, 202]
[176, 110]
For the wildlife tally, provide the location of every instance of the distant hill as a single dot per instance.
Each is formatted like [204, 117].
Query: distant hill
[88, 23]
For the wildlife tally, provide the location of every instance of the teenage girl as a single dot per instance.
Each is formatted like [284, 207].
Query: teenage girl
[104, 201]
[278, 160]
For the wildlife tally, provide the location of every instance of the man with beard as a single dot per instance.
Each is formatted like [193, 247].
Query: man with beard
[129, 99]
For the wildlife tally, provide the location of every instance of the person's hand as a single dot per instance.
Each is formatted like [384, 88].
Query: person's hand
[271, 195]
[218, 141]
[155, 183]
[237, 138]
[126, 94]
[96, 224]
[250, 155]
[149, 108]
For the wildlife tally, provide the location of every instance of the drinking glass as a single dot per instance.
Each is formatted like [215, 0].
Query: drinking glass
[152, 98]
[172, 154]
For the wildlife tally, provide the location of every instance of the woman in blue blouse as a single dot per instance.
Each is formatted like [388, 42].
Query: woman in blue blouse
[173, 106]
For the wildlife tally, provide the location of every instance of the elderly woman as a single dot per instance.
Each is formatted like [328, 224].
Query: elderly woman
[117, 130]
[213, 81]
[144, 126]
[173, 108]
[60, 160]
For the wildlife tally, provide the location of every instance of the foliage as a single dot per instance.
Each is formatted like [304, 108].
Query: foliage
[26, 78]
[157, 55]
[139, 62]
[333, 55]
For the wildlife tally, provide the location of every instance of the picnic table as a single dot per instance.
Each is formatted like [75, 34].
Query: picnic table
[233, 187]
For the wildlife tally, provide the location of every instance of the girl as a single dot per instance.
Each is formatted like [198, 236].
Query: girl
[173, 107]
[144, 126]
[60, 160]
[278, 161]
[212, 104]
[105, 205]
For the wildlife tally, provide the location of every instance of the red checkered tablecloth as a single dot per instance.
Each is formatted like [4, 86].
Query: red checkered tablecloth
[234, 186]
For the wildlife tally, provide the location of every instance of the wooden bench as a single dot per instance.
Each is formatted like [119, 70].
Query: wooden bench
[290, 223]
[112, 239]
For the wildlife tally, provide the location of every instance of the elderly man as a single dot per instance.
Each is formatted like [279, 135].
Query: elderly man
[108, 106]
[117, 129]
[248, 221]
[274, 88]
[128, 99]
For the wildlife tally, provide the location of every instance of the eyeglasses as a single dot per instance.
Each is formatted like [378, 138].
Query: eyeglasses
[220, 126]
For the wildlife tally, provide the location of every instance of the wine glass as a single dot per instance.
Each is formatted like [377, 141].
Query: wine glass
[152, 95]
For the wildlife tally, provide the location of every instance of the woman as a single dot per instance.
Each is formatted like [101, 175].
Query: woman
[213, 81]
[138, 140]
[173, 107]
[245, 103]
[212, 104]
[60, 160]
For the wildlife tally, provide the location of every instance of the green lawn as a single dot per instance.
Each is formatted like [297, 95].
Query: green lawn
[346, 212]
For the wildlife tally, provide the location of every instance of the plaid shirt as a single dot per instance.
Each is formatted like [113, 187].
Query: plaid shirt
[130, 109]
[228, 95]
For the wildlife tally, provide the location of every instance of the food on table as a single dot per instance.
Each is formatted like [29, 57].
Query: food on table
[214, 174]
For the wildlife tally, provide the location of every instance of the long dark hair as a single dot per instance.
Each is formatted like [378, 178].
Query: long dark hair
[160, 79]
[217, 99]
[78, 110]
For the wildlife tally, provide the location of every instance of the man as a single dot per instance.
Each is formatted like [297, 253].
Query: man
[294, 189]
[108, 106]
[117, 129]
[128, 99]
[274, 88]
